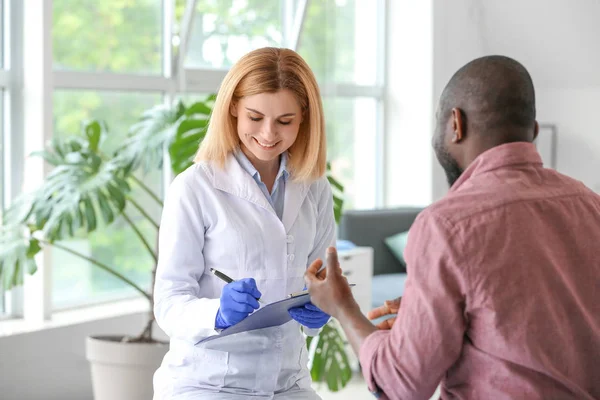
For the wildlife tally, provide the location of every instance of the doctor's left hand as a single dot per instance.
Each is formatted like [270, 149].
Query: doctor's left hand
[309, 315]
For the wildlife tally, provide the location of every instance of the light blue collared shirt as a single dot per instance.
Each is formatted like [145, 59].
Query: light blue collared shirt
[277, 195]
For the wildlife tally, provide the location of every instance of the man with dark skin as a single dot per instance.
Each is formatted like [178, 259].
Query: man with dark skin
[500, 302]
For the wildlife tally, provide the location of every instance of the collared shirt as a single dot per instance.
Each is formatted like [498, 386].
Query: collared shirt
[502, 299]
[277, 195]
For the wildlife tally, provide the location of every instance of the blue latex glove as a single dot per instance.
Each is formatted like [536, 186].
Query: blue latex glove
[238, 300]
[309, 315]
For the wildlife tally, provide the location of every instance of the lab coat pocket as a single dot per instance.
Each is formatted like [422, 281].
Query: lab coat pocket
[255, 360]
[210, 367]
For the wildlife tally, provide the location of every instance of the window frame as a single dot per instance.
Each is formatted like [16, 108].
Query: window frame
[33, 301]
[13, 156]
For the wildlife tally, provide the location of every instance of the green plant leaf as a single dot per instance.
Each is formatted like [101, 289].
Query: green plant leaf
[93, 132]
[317, 361]
[198, 108]
[338, 189]
[338, 204]
[79, 219]
[337, 201]
[90, 214]
[69, 228]
[31, 266]
[309, 340]
[17, 252]
[33, 248]
[191, 128]
[328, 359]
[107, 212]
[335, 183]
[117, 196]
[148, 138]
[122, 184]
[50, 158]
[189, 134]
[15, 279]
[185, 145]
[337, 214]
[80, 190]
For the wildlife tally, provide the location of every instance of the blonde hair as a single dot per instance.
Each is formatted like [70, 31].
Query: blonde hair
[269, 70]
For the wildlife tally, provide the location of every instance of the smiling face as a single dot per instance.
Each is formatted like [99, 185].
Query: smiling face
[267, 125]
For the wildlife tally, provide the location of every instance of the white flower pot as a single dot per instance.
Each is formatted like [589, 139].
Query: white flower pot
[123, 371]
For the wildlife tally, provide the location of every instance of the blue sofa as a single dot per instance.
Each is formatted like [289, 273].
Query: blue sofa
[371, 228]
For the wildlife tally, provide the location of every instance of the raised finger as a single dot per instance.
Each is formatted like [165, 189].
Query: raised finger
[322, 274]
[312, 272]
[379, 312]
[333, 265]
[393, 305]
[387, 324]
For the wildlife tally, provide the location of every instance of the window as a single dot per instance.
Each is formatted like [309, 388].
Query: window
[351, 125]
[340, 40]
[112, 77]
[3, 169]
[76, 282]
[113, 59]
[224, 30]
[2, 33]
[108, 35]
[3, 172]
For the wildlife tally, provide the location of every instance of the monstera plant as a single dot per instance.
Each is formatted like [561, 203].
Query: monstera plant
[89, 189]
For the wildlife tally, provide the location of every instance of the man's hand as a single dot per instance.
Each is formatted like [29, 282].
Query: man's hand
[390, 307]
[329, 289]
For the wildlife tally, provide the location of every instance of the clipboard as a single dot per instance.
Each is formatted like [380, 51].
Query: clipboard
[273, 314]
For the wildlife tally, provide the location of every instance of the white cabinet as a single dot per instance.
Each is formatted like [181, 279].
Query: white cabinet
[357, 266]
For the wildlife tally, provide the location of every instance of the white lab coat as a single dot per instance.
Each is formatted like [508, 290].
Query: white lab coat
[218, 217]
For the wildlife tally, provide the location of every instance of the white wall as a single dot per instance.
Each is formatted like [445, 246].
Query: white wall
[51, 364]
[408, 101]
[457, 40]
[557, 41]
[574, 111]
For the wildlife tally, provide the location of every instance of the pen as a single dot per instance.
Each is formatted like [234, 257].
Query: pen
[225, 278]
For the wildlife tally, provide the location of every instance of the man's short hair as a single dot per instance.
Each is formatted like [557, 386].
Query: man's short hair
[494, 91]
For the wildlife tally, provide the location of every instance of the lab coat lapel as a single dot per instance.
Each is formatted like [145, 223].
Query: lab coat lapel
[235, 180]
[295, 192]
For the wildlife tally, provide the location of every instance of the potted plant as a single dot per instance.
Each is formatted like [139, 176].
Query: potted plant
[87, 185]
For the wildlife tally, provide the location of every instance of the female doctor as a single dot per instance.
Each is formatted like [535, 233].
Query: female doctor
[257, 207]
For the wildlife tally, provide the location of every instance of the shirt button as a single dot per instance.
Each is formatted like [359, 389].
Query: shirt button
[289, 239]
[291, 257]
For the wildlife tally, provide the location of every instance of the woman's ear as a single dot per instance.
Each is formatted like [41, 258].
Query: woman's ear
[233, 109]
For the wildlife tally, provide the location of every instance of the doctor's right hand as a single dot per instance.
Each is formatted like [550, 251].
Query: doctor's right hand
[238, 300]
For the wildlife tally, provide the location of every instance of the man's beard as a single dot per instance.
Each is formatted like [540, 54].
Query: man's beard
[450, 166]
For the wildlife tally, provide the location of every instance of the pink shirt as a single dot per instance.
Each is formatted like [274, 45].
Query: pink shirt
[502, 299]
